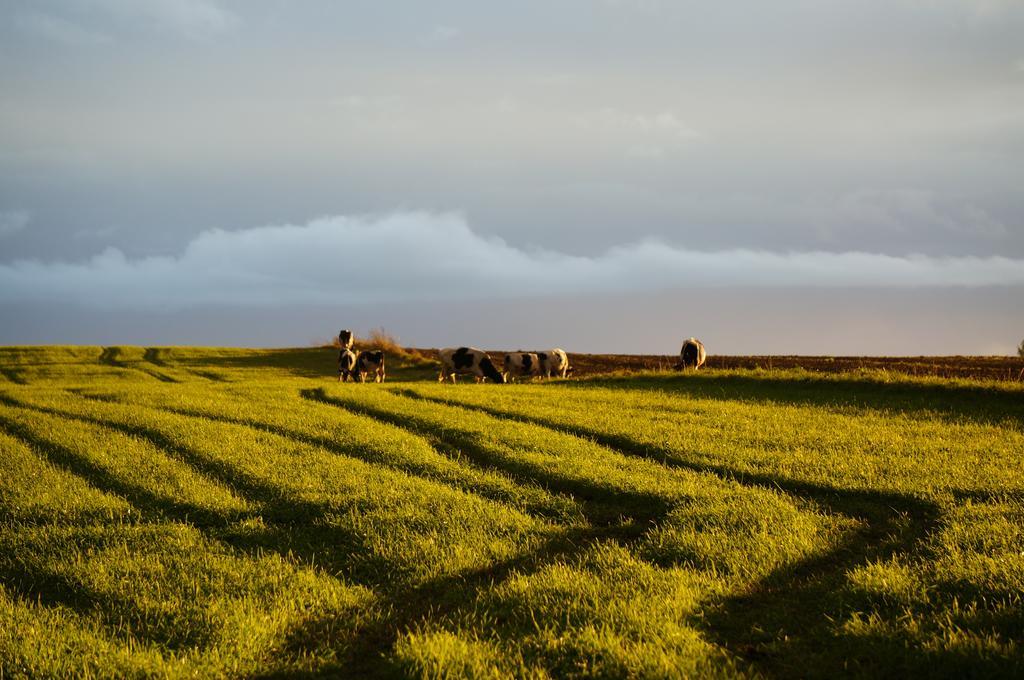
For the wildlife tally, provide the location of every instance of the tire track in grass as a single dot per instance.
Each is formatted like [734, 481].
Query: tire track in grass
[289, 528]
[762, 625]
[152, 355]
[33, 584]
[97, 476]
[407, 606]
[447, 597]
[538, 510]
[13, 376]
[109, 357]
[633, 512]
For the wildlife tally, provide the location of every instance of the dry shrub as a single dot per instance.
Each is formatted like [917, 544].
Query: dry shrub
[379, 339]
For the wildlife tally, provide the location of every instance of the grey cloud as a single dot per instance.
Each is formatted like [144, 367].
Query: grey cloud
[418, 256]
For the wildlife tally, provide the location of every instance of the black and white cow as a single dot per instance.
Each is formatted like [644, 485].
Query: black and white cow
[370, 363]
[554, 362]
[346, 365]
[467, 361]
[692, 354]
[346, 339]
[521, 365]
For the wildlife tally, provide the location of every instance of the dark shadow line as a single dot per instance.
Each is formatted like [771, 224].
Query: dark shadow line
[444, 598]
[373, 457]
[152, 355]
[292, 520]
[601, 505]
[953, 403]
[13, 376]
[895, 524]
[33, 585]
[100, 478]
[109, 356]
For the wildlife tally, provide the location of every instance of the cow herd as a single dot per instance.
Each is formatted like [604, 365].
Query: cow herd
[553, 363]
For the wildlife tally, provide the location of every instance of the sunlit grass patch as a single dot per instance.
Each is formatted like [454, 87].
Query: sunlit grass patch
[226, 512]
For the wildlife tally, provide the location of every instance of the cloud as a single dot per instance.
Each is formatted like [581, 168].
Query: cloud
[12, 221]
[419, 256]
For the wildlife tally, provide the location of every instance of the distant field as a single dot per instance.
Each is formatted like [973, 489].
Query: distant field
[975, 368]
[227, 512]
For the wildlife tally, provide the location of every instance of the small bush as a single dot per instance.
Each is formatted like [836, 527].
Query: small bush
[380, 339]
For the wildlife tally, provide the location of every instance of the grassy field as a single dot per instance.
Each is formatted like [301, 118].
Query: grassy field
[221, 512]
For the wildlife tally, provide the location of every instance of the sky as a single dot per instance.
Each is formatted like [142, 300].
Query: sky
[802, 176]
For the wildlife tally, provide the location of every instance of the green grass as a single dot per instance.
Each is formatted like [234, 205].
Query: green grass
[225, 512]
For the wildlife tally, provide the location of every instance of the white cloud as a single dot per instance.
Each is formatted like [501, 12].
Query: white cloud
[13, 220]
[419, 256]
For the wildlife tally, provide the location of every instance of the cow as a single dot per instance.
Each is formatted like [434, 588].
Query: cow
[370, 362]
[692, 354]
[345, 339]
[467, 361]
[521, 364]
[346, 365]
[554, 362]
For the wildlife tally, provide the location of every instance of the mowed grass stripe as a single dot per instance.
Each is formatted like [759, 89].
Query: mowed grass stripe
[377, 522]
[643, 498]
[37, 491]
[719, 524]
[123, 465]
[865, 449]
[165, 589]
[358, 436]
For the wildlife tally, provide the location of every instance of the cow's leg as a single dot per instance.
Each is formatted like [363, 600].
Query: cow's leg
[442, 376]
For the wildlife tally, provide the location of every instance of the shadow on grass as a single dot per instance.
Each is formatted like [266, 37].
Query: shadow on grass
[436, 600]
[951, 401]
[110, 356]
[785, 623]
[35, 585]
[291, 525]
[13, 376]
[601, 505]
[379, 458]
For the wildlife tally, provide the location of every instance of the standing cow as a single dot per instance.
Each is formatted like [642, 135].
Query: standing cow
[521, 365]
[346, 365]
[467, 361]
[369, 363]
[345, 338]
[554, 362]
[692, 354]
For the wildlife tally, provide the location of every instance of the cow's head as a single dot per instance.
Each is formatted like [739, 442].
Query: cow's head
[489, 371]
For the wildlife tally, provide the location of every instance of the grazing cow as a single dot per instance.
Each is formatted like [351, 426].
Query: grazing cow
[345, 338]
[370, 362]
[346, 365]
[692, 354]
[521, 364]
[467, 361]
[554, 362]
